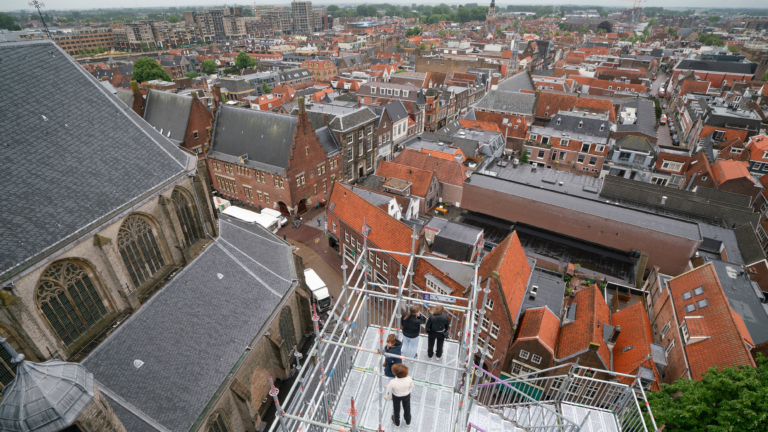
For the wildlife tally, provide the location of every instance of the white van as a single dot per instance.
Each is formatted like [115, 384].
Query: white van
[275, 214]
[268, 222]
[320, 295]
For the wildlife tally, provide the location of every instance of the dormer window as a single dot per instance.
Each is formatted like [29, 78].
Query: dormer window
[558, 121]
[602, 127]
[373, 90]
[581, 124]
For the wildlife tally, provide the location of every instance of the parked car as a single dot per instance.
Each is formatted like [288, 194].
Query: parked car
[664, 106]
[671, 124]
[663, 119]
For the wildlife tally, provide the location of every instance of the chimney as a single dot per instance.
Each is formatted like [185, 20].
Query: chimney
[615, 333]
[593, 346]
[217, 100]
[326, 119]
[301, 106]
[138, 99]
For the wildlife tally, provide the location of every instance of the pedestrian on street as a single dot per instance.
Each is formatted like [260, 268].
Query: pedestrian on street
[411, 323]
[437, 326]
[318, 222]
[401, 387]
[394, 346]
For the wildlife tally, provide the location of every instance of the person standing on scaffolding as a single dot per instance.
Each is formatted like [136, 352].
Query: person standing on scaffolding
[411, 323]
[437, 326]
[394, 346]
[401, 387]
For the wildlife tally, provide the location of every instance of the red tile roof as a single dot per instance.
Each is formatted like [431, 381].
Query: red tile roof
[508, 259]
[726, 170]
[757, 146]
[550, 103]
[474, 124]
[510, 125]
[540, 323]
[725, 343]
[597, 104]
[447, 170]
[636, 332]
[591, 314]
[419, 178]
[690, 86]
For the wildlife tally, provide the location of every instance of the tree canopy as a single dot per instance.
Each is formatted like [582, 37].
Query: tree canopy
[732, 399]
[7, 22]
[191, 75]
[173, 19]
[415, 31]
[209, 66]
[710, 39]
[244, 61]
[147, 69]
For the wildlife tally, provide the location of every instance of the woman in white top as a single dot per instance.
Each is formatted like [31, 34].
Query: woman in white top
[401, 387]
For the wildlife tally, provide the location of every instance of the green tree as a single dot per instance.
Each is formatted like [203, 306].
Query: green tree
[265, 88]
[7, 22]
[244, 61]
[332, 8]
[397, 45]
[524, 156]
[232, 71]
[732, 399]
[733, 49]
[652, 22]
[714, 19]
[710, 39]
[583, 30]
[423, 46]
[765, 77]
[209, 67]
[147, 69]
[191, 75]
[173, 19]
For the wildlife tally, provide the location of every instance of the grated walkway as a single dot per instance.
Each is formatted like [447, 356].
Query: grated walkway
[599, 421]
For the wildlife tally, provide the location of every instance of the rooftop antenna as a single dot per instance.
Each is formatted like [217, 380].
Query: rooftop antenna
[37, 5]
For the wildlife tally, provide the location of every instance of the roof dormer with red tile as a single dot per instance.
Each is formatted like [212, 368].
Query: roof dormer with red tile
[535, 341]
[582, 333]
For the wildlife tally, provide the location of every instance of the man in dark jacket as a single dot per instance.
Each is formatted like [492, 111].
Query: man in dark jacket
[437, 326]
[411, 324]
[394, 346]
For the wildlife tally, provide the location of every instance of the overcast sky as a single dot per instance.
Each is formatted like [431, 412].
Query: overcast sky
[88, 4]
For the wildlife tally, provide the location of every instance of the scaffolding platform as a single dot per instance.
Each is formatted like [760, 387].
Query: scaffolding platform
[343, 388]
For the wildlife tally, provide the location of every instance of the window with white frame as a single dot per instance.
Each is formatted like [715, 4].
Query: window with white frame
[384, 265]
[494, 330]
[599, 148]
[346, 236]
[436, 285]
[670, 346]
[536, 359]
[665, 329]
[484, 323]
[672, 166]
[521, 369]
[489, 304]
[524, 354]
[373, 90]
[761, 234]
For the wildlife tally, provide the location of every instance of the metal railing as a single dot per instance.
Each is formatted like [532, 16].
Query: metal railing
[532, 401]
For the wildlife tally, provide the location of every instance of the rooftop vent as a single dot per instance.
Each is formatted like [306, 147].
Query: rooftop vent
[663, 200]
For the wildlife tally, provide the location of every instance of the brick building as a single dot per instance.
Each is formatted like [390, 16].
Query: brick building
[272, 160]
[506, 271]
[693, 321]
[323, 70]
[535, 342]
[181, 118]
[571, 141]
[405, 180]
[450, 173]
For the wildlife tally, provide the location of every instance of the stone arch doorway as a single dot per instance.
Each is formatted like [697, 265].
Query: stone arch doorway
[302, 206]
[283, 208]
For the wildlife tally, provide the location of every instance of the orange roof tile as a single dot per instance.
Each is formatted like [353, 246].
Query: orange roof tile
[633, 346]
[591, 314]
[540, 323]
[550, 103]
[690, 86]
[724, 346]
[448, 170]
[419, 178]
[726, 170]
[474, 124]
[597, 104]
[508, 259]
[510, 125]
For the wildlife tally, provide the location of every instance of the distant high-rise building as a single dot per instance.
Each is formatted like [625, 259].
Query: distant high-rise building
[303, 17]
[220, 22]
[280, 18]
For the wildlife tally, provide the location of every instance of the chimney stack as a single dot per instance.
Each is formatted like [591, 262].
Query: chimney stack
[217, 100]
[615, 333]
[326, 119]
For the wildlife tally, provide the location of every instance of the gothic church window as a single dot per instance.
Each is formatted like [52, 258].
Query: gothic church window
[139, 249]
[67, 297]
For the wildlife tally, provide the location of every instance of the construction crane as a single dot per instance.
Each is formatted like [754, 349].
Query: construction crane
[635, 3]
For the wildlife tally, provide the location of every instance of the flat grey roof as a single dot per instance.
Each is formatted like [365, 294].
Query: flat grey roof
[547, 178]
[743, 297]
[191, 334]
[460, 273]
[550, 294]
[728, 239]
[455, 231]
[594, 207]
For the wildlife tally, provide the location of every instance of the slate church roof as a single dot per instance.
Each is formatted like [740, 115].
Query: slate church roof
[189, 336]
[73, 159]
[168, 113]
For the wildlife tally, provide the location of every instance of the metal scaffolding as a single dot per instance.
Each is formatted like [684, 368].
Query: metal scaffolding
[340, 386]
